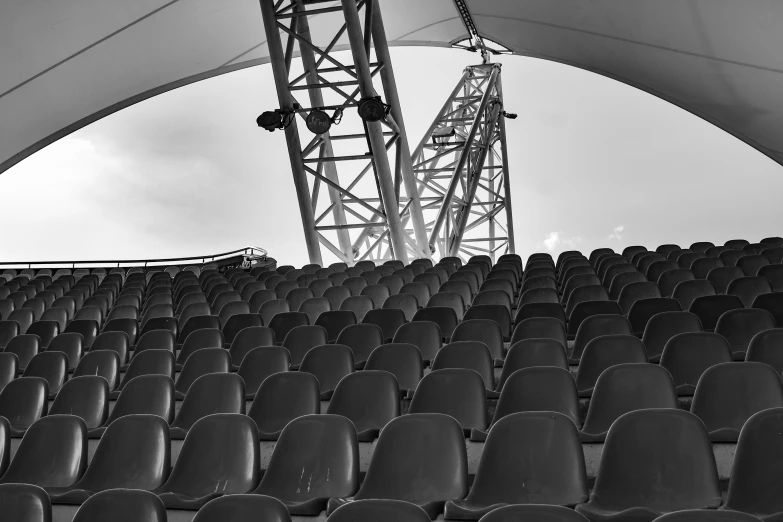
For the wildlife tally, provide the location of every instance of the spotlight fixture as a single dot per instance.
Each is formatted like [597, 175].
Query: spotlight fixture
[318, 122]
[442, 135]
[510, 115]
[373, 109]
[277, 119]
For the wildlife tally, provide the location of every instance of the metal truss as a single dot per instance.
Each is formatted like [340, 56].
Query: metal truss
[351, 194]
[461, 168]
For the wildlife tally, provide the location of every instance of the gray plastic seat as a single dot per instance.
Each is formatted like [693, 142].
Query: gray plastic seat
[603, 352]
[220, 456]
[201, 362]
[122, 505]
[362, 339]
[261, 362]
[472, 355]
[209, 394]
[544, 445]
[740, 326]
[379, 511]
[301, 339]
[687, 291]
[748, 288]
[198, 339]
[281, 398]
[329, 363]
[25, 347]
[23, 401]
[24, 503]
[765, 347]
[663, 326]
[540, 328]
[9, 367]
[403, 360]
[458, 392]
[425, 335]
[142, 395]
[412, 450]
[52, 366]
[482, 330]
[148, 362]
[53, 453]
[86, 397]
[596, 326]
[530, 353]
[334, 322]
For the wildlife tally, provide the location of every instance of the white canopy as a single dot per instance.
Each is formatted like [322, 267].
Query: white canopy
[67, 63]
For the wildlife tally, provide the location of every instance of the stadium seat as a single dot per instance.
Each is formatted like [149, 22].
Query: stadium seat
[25, 503]
[486, 331]
[687, 291]
[774, 275]
[133, 453]
[470, 354]
[281, 398]
[765, 347]
[86, 327]
[53, 453]
[52, 366]
[285, 322]
[748, 288]
[9, 367]
[24, 317]
[445, 317]
[403, 360]
[669, 280]
[645, 261]
[596, 326]
[378, 293]
[23, 401]
[425, 335]
[614, 270]
[605, 351]
[533, 283]
[687, 259]
[544, 445]
[415, 449]
[248, 338]
[589, 309]
[739, 326]
[127, 325]
[458, 392]
[359, 305]
[25, 347]
[300, 339]
[370, 399]
[688, 355]
[314, 307]
[701, 267]
[730, 393]
[663, 326]
[633, 292]
[421, 291]
[362, 339]
[388, 320]
[155, 340]
[623, 388]
[530, 353]
[198, 339]
[623, 279]
[243, 508]
[86, 397]
[261, 362]
[148, 362]
[355, 285]
[710, 308]
[501, 285]
[736, 243]
[653, 462]
[336, 296]
[756, 467]
[536, 295]
[496, 313]
[774, 254]
[540, 328]
[122, 505]
[329, 363]
[751, 264]
[219, 457]
[585, 293]
[531, 310]
[722, 276]
[142, 395]
[773, 303]
[209, 394]
[655, 270]
[644, 309]
[201, 362]
[451, 300]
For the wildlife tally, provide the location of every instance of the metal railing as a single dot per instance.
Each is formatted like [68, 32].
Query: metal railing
[249, 252]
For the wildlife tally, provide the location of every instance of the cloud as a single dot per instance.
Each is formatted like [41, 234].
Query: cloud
[554, 240]
[616, 233]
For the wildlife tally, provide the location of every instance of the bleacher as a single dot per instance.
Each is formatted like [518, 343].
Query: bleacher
[641, 385]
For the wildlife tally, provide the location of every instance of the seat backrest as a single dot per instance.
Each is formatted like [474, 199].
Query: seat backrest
[25, 503]
[86, 397]
[458, 392]
[209, 394]
[202, 362]
[24, 400]
[281, 398]
[52, 366]
[403, 360]
[473, 355]
[358, 304]
[748, 288]
[740, 325]
[445, 316]
[425, 335]
[362, 339]
[329, 363]
[605, 351]
[243, 507]
[721, 277]
[486, 331]
[663, 326]
[369, 399]
[632, 292]
[540, 328]
[585, 293]
[728, 394]
[530, 353]
[122, 505]
[541, 388]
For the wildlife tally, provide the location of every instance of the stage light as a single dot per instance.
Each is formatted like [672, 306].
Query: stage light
[270, 120]
[442, 135]
[510, 115]
[373, 109]
[318, 122]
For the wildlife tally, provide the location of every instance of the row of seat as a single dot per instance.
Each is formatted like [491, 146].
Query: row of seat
[654, 461]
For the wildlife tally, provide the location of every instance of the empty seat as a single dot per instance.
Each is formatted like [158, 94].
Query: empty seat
[133, 453]
[530, 310]
[710, 308]
[412, 450]
[148, 362]
[653, 462]
[635, 291]
[86, 397]
[388, 320]
[540, 328]
[536, 295]
[472, 355]
[533, 512]
[773, 303]
[9, 367]
[687, 291]
[202, 338]
[25, 347]
[532, 283]
[86, 327]
[773, 274]
[370, 399]
[751, 264]
[655, 270]
[756, 468]
[748, 288]
[23, 401]
[25, 503]
[122, 505]
[728, 394]
[765, 347]
[142, 395]
[483, 330]
[529, 353]
[247, 339]
[623, 388]
[52, 366]
[379, 511]
[219, 457]
[603, 352]
[261, 297]
[362, 339]
[335, 321]
[281, 398]
[53, 453]
[701, 267]
[623, 279]
[359, 305]
[261, 362]
[300, 339]
[596, 326]
[588, 309]
[24, 317]
[688, 355]
[499, 285]
[730, 257]
[544, 445]
[329, 363]
[669, 280]
[201, 362]
[663, 326]
[209, 394]
[403, 360]
[644, 309]
[425, 335]
[457, 392]
[585, 293]
[536, 389]
[722, 276]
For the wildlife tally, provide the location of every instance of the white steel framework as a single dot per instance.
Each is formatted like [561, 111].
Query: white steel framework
[461, 167]
[350, 202]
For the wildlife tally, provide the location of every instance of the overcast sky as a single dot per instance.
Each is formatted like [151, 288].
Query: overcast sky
[593, 163]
